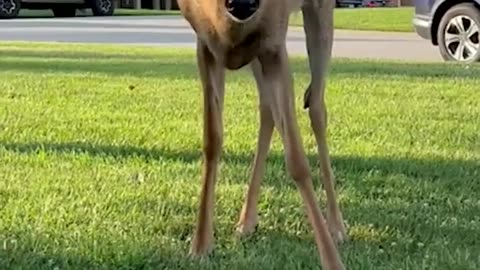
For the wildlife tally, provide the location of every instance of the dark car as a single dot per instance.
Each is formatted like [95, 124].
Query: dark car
[452, 25]
[61, 8]
[360, 3]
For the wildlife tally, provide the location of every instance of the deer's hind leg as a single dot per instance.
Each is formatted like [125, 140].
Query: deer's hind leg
[279, 85]
[249, 217]
[212, 75]
[318, 27]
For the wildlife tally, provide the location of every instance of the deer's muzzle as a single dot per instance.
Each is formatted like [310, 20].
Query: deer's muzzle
[242, 9]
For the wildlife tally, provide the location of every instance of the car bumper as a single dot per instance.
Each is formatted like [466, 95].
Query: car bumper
[422, 27]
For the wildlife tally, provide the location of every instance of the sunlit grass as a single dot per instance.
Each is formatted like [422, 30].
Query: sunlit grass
[100, 154]
[369, 19]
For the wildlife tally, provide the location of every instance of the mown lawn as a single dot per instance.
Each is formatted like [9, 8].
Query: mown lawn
[368, 19]
[100, 163]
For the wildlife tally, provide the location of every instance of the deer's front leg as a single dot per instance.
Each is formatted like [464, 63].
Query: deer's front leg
[212, 75]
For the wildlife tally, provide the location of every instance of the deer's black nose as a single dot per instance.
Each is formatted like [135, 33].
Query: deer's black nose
[242, 9]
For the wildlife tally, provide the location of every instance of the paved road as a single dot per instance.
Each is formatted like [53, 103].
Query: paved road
[174, 31]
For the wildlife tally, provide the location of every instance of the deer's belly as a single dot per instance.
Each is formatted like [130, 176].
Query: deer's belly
[244, 52]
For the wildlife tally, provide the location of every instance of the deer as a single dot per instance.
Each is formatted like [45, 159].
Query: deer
[233, 34]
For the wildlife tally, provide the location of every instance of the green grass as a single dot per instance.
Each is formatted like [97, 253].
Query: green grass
[97, 176]
[369, 19]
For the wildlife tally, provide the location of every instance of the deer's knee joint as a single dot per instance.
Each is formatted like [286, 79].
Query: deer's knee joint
[299, 174]
[298, 168]
[318, 115]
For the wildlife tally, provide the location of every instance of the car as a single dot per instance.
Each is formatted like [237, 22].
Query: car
[359, 3]
[61, 8]
[451, 25]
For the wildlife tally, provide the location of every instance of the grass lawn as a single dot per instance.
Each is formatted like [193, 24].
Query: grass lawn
[97, 175]
[370, 19]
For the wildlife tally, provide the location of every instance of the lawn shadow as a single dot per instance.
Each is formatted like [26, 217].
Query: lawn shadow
[24, 250]
[263, 250]
[161, 67]
[173, 66]
[431, 169]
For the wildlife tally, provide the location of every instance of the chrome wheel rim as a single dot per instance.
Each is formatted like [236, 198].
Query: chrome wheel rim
[462, 38]
[7, 6]
[105, 5]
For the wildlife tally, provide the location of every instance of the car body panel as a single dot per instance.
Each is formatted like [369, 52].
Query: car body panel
[422, 25]
[437, 3]
[424, 7]
[425, 11]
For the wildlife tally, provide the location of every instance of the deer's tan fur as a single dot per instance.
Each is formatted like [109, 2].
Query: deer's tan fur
[224, 42]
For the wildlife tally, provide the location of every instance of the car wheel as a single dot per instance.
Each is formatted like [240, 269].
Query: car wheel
[9, 8]
[459, 34]
[102, 7]
[64, 11]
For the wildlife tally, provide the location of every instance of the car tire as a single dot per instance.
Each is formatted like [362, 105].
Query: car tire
[9, 9]
[458, 39]
[64, 11]
[102, 7]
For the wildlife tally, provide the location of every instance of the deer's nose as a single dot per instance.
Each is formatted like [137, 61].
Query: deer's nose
[242, 9]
